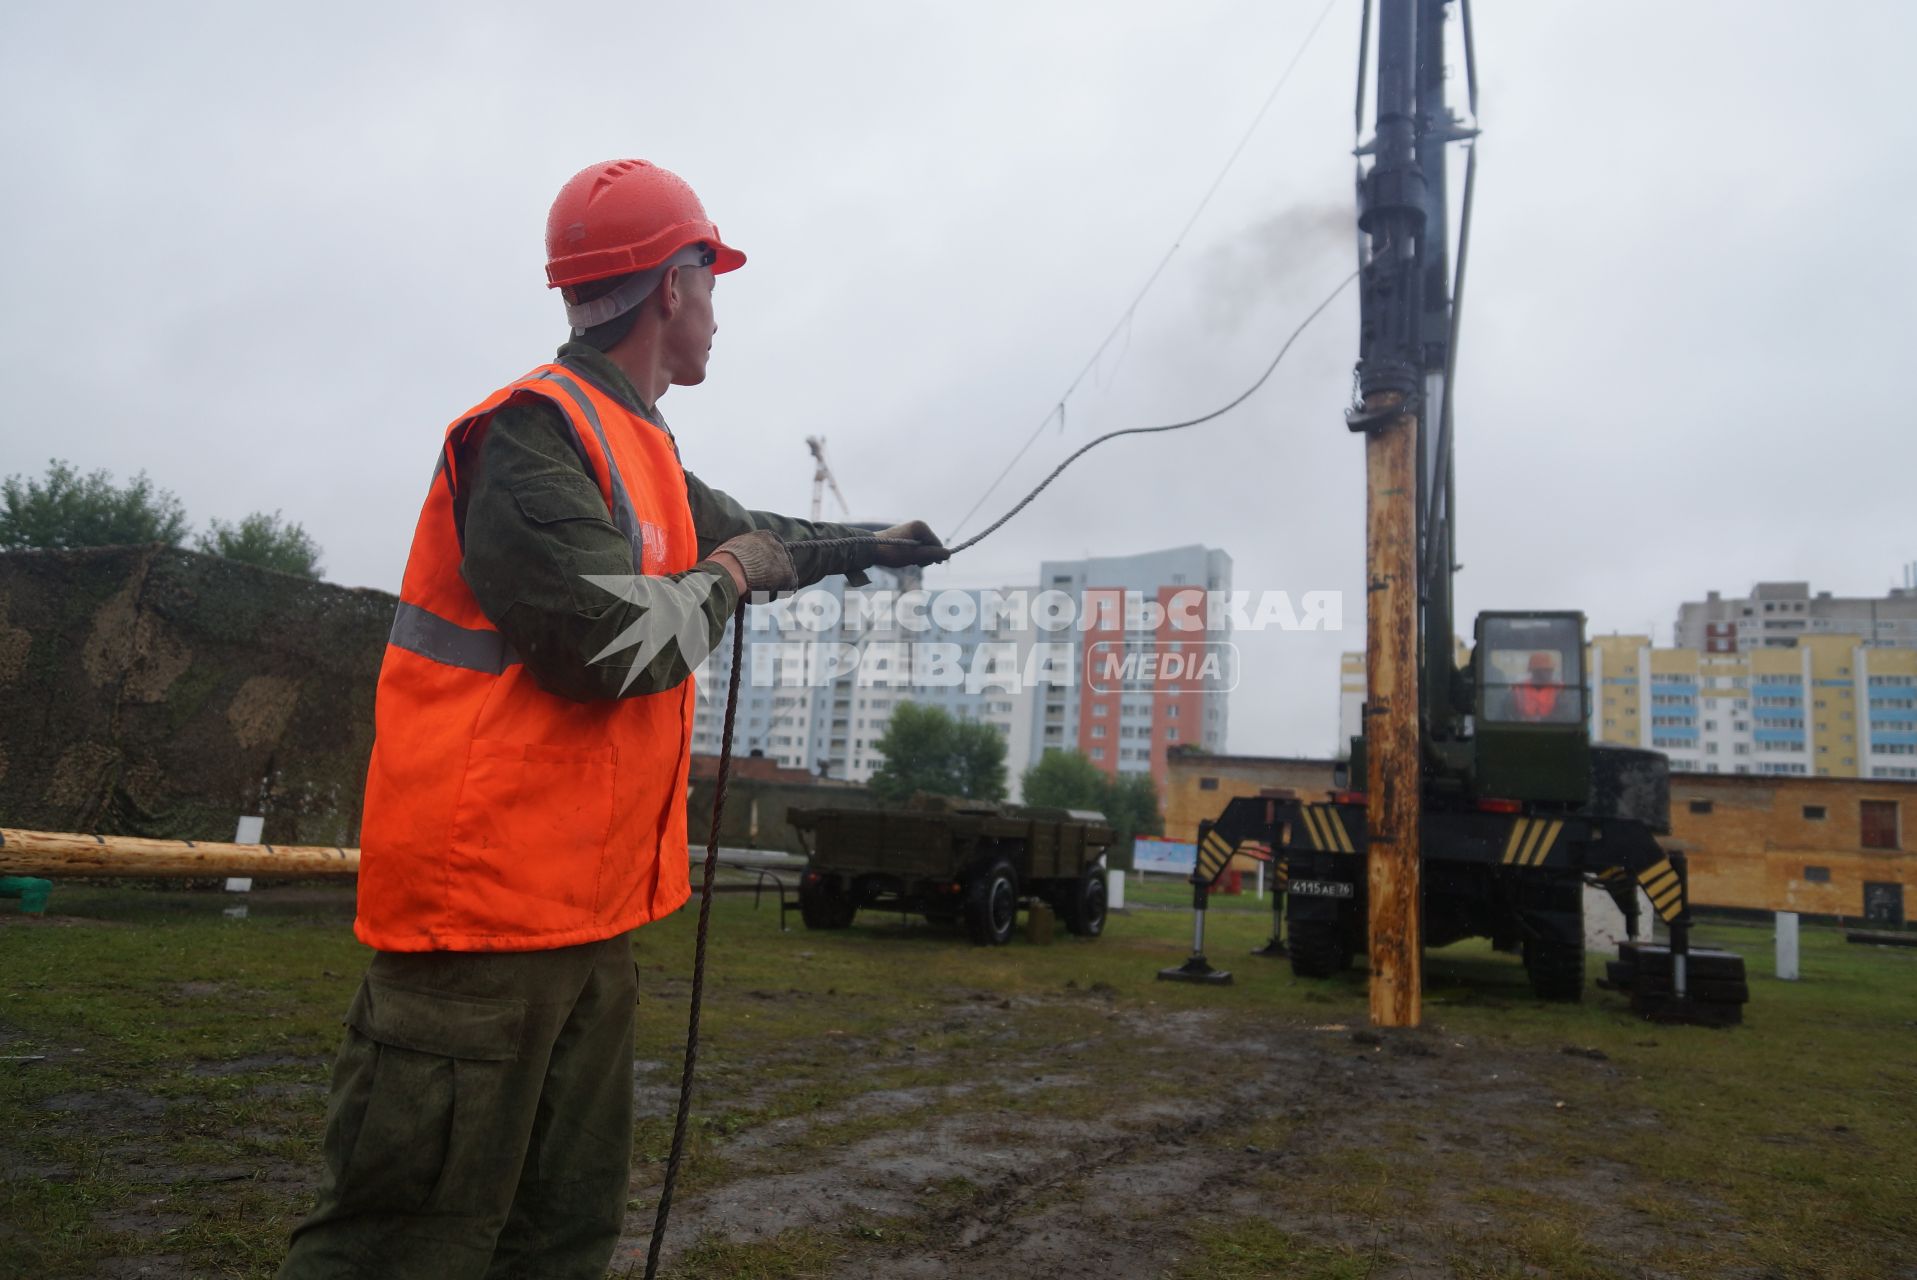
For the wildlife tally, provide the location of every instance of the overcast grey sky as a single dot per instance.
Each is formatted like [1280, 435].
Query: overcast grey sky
[266, 253]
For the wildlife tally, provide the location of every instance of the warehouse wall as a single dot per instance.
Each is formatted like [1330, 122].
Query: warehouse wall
[1198, 784]
[1751, 844]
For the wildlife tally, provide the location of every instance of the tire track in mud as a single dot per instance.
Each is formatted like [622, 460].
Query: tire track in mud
[1062, 1195]
[1116, 1207]
[1355, 1126]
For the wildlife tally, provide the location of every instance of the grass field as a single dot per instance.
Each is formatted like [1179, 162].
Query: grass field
[889, 1100]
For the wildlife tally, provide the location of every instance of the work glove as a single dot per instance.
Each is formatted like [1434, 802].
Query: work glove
[821, 558]
[928, 551]
[763, 561]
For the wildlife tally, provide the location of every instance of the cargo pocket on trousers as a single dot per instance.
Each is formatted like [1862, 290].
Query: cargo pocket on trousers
[437, 1089]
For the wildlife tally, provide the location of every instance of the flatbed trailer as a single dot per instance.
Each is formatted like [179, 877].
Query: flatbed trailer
[954, 862]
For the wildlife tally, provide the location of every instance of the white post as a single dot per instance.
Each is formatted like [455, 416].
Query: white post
[1115, 891]
[1787, 945]
[248, 831]
[1261, 882]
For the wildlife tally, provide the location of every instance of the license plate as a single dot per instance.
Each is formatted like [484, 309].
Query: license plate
[1321, 888]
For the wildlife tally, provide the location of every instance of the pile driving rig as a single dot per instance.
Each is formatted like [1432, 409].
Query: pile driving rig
[1517, 809]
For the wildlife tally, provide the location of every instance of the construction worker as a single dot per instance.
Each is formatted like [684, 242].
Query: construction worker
[525, 804]
[1538, 700]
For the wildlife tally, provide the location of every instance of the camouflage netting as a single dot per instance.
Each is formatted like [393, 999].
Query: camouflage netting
[156, 692]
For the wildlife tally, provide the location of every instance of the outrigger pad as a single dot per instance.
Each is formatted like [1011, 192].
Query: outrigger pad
[1717, 988]
[1274, 948]
[1197, 969]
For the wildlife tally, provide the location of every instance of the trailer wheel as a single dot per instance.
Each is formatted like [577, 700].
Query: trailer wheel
[1556, 968]
[1084, 903]
[1319, 948]
[991, 903]
[824, 903]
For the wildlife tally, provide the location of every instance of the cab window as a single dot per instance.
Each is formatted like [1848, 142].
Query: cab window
[1531, 671]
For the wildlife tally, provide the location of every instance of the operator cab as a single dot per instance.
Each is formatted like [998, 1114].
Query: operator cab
[1531, 708]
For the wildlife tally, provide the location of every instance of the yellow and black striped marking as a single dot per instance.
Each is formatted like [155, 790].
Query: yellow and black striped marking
[1531, 841]
[1665, 888]
[1214, 851]
[1280, 875]
[1323, 829]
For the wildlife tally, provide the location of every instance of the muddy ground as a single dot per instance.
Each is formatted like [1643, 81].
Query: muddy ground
[1185, 1122]
[891, 1102]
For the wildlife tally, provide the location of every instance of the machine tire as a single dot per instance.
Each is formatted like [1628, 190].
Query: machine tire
[1556, 968]
[1319, 948]
[1084, 904]
[824, 905]
[991, 903]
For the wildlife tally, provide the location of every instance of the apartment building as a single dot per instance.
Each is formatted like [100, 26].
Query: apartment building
[1828, 706]
[1136, 692]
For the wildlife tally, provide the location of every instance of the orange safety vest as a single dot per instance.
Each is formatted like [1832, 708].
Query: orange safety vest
[500, 817]
[1535, 702]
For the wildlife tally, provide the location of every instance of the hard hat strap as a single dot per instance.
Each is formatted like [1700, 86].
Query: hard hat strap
[631, 292]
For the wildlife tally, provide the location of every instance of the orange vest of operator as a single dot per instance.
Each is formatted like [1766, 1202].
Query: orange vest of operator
[1536, 701]
[500, 817]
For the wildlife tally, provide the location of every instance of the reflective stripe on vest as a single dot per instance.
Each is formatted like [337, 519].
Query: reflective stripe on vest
[425, 633]
[622, 513]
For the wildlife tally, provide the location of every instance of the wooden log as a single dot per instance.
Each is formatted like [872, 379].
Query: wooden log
[1393, 786]
[54, 854]
[1880, 937]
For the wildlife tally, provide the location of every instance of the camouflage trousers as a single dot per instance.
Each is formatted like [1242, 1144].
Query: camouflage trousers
[481, 1118]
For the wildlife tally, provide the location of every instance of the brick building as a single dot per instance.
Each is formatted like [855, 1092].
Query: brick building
[1824, 846]
[1198, 783]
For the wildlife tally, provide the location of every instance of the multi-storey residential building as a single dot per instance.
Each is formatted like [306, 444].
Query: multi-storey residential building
[1125, 708]
[825, 670]
[1097, 658]
[1776, 614]
[1827, 706]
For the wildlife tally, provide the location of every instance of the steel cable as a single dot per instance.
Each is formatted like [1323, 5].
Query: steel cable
[1219, 412]
[699, 947]
[725, 748]
[1125, 317]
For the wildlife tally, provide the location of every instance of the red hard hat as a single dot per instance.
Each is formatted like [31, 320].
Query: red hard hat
[624, 216]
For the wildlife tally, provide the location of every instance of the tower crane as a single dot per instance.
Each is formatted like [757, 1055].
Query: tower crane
[821, 477]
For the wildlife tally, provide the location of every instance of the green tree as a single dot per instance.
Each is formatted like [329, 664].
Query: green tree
[266, 541]
[1132, 806]
[68, 510]
[1065, 780]
[1068, 780]
[925, 749]
[979, 753]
